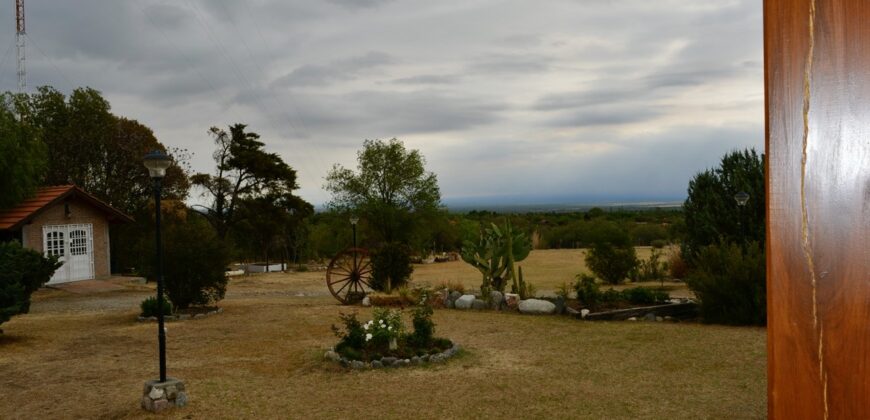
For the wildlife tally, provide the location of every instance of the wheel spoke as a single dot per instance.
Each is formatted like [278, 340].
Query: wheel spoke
[337, 292]
[339, 280]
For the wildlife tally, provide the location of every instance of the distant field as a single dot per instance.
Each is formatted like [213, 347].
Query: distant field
[545, 269]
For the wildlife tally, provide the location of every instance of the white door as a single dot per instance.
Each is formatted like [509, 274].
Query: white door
[74, 246]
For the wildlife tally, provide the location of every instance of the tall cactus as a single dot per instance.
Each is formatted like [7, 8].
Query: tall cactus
[495, 254]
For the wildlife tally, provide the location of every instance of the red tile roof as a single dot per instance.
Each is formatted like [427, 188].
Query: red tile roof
[45, 197]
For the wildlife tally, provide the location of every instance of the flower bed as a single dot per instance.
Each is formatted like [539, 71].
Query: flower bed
[383, 341]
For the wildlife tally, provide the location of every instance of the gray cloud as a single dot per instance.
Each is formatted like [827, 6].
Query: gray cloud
[509, 98]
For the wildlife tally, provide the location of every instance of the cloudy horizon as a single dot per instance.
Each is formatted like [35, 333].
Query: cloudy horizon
[519, 100]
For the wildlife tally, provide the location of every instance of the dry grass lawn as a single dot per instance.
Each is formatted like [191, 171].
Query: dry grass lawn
[78, 356]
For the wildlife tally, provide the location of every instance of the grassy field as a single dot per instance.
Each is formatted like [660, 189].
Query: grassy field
[85, 356]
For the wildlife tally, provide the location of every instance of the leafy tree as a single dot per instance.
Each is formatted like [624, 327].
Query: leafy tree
[390, 189]
[22, 272]
[244, 171]
[391, 266]
[270, 221]
[23, 159]
[612, 263]
[89, 146]
[711, 212]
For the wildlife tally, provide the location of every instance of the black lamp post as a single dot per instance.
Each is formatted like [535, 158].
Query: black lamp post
[157, 162]
[353, 221]
[742, 198]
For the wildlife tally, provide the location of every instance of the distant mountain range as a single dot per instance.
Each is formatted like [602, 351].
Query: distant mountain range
[560, 204]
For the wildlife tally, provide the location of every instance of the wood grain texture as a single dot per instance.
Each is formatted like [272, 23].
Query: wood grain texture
[817, 77]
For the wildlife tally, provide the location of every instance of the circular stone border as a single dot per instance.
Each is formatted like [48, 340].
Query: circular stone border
[392, 362]
[180, 317]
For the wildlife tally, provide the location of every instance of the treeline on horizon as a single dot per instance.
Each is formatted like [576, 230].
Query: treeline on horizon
[329, 232]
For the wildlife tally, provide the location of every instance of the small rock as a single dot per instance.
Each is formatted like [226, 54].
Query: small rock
[649, 317]
[376, 364]
[669, 318]
[331, 355]
[147, 403]
[220, 310]
[344, 362]
[171, 392]
[181, 399]
[584, 312]
[424, 358]
[632, 319]
[366, 301]
[416, 360]
[388, 361]
[156, 393]
[536, 306]
[183, 316]
[356, 364]
[512, 300]
[496, 299]
[436, 358]
[160, 405]
[450, 304]
[659, 319]
[478, 304]
[198, 316]
[454, 295]
[465, 302]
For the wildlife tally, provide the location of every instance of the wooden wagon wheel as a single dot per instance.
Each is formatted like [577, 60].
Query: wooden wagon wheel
[349, 275]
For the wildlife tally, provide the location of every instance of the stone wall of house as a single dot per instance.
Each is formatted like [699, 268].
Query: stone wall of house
[79, 213]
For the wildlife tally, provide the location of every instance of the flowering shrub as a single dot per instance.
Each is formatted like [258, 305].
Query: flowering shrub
[385, 327]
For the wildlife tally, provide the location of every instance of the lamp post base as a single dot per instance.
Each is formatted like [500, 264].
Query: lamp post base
[158, 396]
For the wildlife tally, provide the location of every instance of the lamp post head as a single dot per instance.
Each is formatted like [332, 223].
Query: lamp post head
[157, 162]
[742, 197]
[354, 220]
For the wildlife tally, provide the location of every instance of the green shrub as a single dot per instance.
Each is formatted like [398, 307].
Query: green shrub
[611, 263]
[149, 306]
[729, 281]
[644, 296]
[611, 295]
[424, 328]
[648, 233]
[652, 269]
[22, 272]
[352, 335]
[194, 262]
[391, 266]
[587, 290]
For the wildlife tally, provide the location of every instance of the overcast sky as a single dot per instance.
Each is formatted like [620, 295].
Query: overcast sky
[523, 99]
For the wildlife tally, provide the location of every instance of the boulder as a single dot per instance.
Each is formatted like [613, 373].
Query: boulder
[464, 302]
[356, 364]
[376, 364]
[496, 299]
[650, 316]
[453, 296]
[478, 304]
[388, 361]
[366, 301]
[331, 355]
[584, 312]
[632, 319]
[560, 304]
[536, 306]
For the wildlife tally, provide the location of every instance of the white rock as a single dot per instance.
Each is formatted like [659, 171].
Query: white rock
[537, 306]
[583, 313]
[366, 301]
[156, 393]
[632, 319]
[464, 302]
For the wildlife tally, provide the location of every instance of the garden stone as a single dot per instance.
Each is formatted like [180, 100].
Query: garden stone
[659, 319]
[632, 319]
[583, 313]
[424, 358]
[376, 364]
[356, 364]
[331, 355]
[388, 361]
[478, 304]
[415, 360]
[344, 362]
[464, 302]
[156, 393]
[536, 306]
[160, 405]
[454, 295]
[366, 301]
[512, 300]
[649, 317]
[181, 399]
[496, 299]
[450, 304]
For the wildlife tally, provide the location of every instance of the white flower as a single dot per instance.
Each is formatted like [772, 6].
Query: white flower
[368, 337]
[390, 328]
[366, 327]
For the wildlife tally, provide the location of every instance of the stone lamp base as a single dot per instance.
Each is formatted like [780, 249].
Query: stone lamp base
[158, 396]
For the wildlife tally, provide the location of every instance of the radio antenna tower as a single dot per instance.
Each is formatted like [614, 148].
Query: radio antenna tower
[19, 33]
